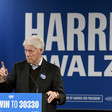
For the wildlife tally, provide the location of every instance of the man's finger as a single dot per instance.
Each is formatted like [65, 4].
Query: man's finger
[3, 65]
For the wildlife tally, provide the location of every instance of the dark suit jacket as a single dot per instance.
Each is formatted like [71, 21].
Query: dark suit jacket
[19, 80]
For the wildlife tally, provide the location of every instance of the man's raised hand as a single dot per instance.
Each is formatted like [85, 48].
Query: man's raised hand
[3, 70]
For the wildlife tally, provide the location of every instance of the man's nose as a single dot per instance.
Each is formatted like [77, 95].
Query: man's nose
[27, 53]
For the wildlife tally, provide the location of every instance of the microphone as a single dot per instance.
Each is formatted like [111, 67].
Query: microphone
[34, 83]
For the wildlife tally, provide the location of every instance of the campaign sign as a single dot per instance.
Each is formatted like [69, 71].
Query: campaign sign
[78, 39]
[20, 102]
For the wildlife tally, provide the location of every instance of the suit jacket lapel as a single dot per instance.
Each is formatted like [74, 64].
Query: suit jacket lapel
[43, 70]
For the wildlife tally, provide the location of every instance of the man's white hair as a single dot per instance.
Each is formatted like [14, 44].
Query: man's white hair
[35, 41]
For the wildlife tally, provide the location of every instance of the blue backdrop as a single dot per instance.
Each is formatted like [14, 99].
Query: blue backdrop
[78, 38]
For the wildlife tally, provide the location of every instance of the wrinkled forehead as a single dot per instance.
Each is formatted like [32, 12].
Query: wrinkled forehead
[29, 47]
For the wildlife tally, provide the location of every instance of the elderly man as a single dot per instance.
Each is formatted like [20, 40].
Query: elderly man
[34, 74]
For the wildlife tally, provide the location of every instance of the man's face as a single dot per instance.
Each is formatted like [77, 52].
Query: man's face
[32, 54]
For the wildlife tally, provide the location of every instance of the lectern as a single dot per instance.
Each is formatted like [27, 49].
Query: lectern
[22, 102]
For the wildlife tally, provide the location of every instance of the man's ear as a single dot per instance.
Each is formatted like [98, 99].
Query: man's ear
[41, 50]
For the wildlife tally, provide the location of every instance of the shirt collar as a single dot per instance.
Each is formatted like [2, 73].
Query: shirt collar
[36, 66]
